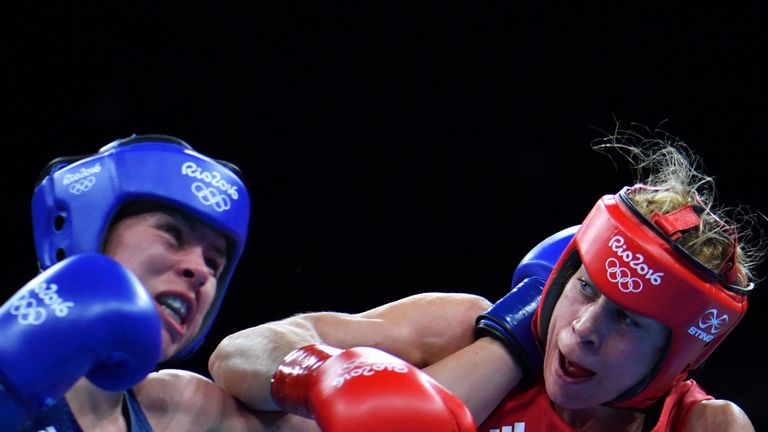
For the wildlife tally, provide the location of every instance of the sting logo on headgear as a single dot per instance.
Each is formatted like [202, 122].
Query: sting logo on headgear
[711, 322]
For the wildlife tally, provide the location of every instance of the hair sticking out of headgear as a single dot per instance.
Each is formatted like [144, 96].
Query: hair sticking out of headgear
[673, 247]
[673, 178]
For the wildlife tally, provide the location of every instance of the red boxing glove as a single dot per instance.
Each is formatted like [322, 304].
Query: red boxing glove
[365, 389]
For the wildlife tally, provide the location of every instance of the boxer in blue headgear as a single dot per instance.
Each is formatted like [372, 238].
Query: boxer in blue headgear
[76, 201]
[137, 244]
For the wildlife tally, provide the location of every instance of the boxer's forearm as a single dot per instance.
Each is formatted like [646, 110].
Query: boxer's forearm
[486, 365]
[420, 329]
[244, 362]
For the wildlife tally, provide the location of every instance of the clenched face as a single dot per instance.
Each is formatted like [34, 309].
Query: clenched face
[178, 260]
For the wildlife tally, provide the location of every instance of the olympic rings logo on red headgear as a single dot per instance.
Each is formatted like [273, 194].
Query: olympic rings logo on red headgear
[621, 276]
[634, 260]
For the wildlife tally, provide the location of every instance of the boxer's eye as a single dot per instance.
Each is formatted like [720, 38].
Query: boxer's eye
[173, 231]
[586, 289]
[215, 265]
[625, 319]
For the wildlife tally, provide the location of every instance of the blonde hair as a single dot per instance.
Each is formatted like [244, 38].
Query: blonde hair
[675, 179]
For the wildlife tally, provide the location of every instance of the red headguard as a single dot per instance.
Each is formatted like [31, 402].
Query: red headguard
[635, 263]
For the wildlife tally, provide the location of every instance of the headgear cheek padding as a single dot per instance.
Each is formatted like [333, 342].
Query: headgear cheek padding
[640, 269]
[76, 199]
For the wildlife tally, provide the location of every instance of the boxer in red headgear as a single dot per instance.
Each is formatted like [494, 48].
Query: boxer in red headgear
[626, 313]
[599, 331]
[636, 264]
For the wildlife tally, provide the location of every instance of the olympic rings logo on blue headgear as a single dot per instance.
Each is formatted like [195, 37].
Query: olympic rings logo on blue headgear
[214, 178]
[81, 174]
[211, 197]
[83, 185]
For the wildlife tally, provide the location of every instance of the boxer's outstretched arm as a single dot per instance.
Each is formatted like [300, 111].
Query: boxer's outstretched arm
[422, 330]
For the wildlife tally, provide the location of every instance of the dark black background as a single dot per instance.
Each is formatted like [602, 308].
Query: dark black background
[392, 149]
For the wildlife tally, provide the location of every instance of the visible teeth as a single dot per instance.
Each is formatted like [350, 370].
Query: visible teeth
[176, 307]
[172, 313]
[575, 370]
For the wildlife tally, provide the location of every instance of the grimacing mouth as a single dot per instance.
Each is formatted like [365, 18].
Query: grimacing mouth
[572, 369]
[177, 307]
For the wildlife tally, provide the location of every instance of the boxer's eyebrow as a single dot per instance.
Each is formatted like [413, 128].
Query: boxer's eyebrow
[185, 221]
[194, 225]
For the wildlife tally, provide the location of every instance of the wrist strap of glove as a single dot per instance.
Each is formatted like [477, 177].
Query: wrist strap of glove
[510, 321]
[290, 383]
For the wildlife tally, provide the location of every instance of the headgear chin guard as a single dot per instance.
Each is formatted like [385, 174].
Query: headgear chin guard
[635, 263]
[76, 198]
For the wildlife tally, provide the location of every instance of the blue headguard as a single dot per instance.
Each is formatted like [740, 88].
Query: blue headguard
[76, 198]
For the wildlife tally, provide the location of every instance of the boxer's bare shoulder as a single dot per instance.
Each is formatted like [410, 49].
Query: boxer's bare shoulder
[718, 415]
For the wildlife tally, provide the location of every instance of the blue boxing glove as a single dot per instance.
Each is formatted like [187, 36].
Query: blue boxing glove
[509, 319]
[85, 316]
